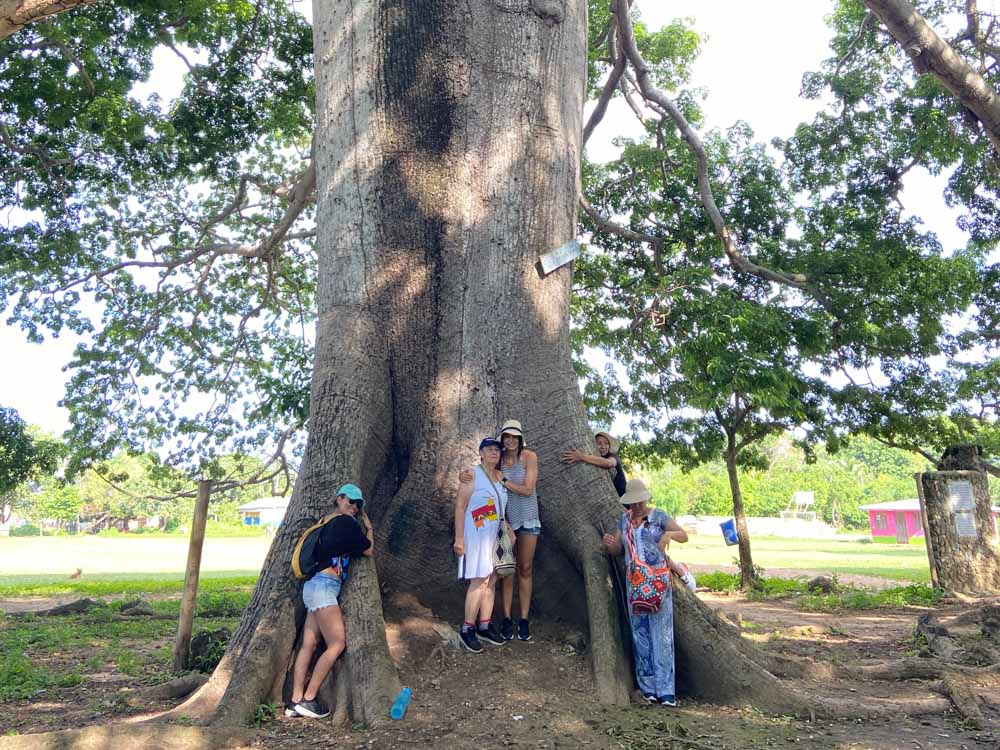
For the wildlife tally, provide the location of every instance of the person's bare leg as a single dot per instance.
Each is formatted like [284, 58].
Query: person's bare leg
[487, 597]
[526, 544]
[331, 625]
[310, 639]
[507, 588]
[473, 599]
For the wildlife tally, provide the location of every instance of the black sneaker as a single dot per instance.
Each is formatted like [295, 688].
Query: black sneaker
[470, 641]
[507, 629]
[312, 709]
[290, 712]
[523, 633]
[491, 635]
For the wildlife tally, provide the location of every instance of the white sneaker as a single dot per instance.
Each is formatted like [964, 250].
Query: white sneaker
[688, 580]
[290, 712]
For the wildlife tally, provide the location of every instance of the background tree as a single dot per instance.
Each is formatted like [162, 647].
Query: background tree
[721, 344]
[24, 457]
[887, 123]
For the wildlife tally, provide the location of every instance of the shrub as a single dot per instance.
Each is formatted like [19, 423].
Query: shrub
[29, 529]
[222, 603]
[718, 581]
[207, 648]
[918, 594]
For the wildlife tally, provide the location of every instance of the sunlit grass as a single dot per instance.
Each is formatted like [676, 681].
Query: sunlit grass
[840, 556]
[124, 584]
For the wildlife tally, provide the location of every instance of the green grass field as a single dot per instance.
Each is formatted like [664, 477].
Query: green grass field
[840, 556]
[39, 560]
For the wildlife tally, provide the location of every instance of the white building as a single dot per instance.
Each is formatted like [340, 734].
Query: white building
[268, 511]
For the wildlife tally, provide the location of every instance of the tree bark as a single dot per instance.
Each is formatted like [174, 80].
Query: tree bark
[16, 14]
[747, 575]
[932, 54]
[961, 531]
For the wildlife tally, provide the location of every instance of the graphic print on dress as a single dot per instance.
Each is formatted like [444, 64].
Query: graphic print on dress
[484, 513]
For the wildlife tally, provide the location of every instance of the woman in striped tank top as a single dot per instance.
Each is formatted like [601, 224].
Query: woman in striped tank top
[520, 475]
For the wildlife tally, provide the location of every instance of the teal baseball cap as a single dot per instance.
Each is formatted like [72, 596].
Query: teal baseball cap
[352, 492]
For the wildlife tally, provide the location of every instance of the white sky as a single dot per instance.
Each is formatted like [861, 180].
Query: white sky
[752, 64]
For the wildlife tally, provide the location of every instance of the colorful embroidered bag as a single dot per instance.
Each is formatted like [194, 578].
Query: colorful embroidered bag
[647, 584]
[503, 550]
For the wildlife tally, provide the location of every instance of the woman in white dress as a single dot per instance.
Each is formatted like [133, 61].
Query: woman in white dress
[479, 511]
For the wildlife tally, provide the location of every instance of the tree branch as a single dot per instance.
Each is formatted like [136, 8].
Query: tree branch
[16, 14]
[73, 58]
[932, 54]
[607, 92]
[912, 447]
[854, 43]
[300, 196]
[611, 227]
[658, 99]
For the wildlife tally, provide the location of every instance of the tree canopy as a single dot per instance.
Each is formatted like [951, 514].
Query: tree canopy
[175, 235]
[845, 313]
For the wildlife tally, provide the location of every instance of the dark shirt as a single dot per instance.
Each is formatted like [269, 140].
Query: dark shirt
[618, 479]
[341, 535]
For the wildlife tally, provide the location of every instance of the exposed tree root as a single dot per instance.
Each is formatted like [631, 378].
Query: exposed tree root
[178, 687]
[131, 736]
[72, 608]
[964, 697]
[201, 704]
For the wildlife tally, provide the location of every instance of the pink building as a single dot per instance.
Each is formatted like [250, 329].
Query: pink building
[899, 522]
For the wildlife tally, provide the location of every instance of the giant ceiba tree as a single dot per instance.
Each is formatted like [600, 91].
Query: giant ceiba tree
[400, 198]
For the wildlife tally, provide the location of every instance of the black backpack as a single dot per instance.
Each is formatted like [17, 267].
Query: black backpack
[304, 562]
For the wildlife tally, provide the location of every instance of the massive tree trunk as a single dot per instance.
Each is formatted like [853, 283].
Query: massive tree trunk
[448, 150]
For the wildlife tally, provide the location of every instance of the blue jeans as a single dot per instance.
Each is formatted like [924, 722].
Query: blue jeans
[532, 530]
[321, 591]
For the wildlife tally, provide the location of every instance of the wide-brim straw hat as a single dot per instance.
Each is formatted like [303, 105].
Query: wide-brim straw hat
[512, 427]
[635, 492]
[611, 439]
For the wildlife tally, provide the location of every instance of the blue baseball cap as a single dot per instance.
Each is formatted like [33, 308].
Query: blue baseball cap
[351, 491]
[486, 442]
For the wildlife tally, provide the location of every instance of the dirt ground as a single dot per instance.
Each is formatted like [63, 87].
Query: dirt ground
[541, 695]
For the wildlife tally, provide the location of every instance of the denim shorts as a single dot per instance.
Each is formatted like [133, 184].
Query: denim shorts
[532, 530]
[321, 591]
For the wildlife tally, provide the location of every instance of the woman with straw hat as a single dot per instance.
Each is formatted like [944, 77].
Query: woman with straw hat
[606, 458]
[648, 531]
[520, 476]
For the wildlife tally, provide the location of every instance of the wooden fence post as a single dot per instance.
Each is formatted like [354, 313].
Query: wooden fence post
[182, 645]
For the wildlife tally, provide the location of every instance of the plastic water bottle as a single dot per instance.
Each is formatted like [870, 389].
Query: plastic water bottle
[401, 703]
